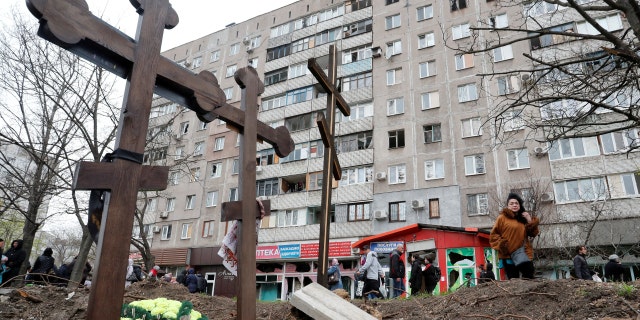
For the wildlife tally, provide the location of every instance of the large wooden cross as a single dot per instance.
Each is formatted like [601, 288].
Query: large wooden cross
[70, 24]
[331, 163]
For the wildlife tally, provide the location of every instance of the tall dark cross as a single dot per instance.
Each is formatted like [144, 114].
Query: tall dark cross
[70, 24]
[331, 163]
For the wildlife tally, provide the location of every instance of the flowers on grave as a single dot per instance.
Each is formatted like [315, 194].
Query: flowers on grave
[160, 309]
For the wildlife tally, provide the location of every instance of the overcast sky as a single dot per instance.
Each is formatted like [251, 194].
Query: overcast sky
[198, 18]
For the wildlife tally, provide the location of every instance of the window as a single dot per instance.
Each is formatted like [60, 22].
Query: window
[573, 148]
[396, 139]
[198, 148]
[231, 70]
[163, 110]
[397, 211]
[392, 22]
[196, 62]
[280, 30]
[267, 187]
[190, 202]
[294, 217]
[430, 100]
[212, 198]
[538, 8]
[609, 23]
[508, 84]
[186, 231]
[434, 169]
[202, 125]
[299, 95]
[233, 194]
[266, 157]
[278, 52]
[397, 174]
[194, 175]
[215, 56]
[458, 4]
[357, 28]
[359, 211]
[467, 92]
[434, 208]
[328, 36]
[298, 123]
[395, 106]
[425, 12]
[471, 127]
[619, 141]
[394, 76]
[253, 62]
[218, 144]
[315, 181]
[255, 42]
[518, 159]
[184, 128]
[464, 61]
[171, 204]
[276, 76]
[388, 2]
[432, 133]
[503, 53]
[234, 49]
[208, 229]
[427, 69]
[179, 153]
[477, 204]
[394, 47]
[426, 40]
[356, 175]
[274, 102]
[216, 170]
[354, 142]
[235, 167]
[356, 82]
[152, 205]
[358, 111]
[474, 164]
[461, 31]
[631, 183]
[155, 155]
[588, 189]
[297, 70]
[174, 177]
[354, 54]
[499, 22]
[547, 40]
[166, 232]
[513, 120]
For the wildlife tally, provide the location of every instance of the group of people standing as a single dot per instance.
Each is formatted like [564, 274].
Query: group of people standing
[613, 270]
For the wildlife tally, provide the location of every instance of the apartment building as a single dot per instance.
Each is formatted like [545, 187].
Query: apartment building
[417, 147]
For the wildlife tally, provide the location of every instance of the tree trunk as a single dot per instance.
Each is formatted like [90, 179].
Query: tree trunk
[78, 268]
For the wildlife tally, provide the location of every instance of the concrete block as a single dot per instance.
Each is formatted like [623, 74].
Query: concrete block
[319, 303]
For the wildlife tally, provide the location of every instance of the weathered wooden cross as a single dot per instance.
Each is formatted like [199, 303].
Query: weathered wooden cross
[331, 163]
[70, 24]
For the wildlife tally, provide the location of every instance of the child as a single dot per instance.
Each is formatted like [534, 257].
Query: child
[3, 266]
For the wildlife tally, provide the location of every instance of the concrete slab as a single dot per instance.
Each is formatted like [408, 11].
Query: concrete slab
[321, 304]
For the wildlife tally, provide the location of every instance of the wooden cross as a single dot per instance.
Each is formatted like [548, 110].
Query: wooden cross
[331, 163]
[69, 24]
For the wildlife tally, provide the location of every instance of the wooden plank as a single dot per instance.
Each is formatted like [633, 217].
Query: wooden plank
[232, 210]
[319, 303]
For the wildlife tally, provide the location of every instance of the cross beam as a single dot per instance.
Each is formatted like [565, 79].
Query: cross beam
[331, 163]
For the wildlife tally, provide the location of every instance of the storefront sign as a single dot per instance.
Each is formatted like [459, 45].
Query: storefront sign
[385, 247]
[304, 251]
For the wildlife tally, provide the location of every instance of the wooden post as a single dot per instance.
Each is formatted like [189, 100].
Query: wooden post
[331, 167]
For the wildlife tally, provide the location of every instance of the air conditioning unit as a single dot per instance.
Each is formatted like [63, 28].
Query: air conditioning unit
[249, 49]
[526, 79]
[539, 151]
[258, 169]
[380, 214]
[355, 250]
[546, 197]
[381, 176]
[376, 52]
[155, 229]
[246, 40]
[417, 204]
[164, 214]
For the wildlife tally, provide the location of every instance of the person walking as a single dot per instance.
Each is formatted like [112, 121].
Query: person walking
[580, 265]
[334, 270]
[415, 279]
[613, 270]
[430, 274]
[397, 271]
[192, 281]
[511, 231]
[41, 268]
[15, 257]
[373, 271]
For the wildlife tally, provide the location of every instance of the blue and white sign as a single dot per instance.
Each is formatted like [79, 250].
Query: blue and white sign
[385, 247]
[289, 251]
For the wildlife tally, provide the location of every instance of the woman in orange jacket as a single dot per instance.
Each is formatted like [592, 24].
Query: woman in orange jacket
[512, 229]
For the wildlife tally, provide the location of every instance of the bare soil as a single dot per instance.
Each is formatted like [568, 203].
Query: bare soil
[515, 299]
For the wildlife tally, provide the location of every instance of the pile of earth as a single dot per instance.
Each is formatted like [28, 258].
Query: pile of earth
[515, 299]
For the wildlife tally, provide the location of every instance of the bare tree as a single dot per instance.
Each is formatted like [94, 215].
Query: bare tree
[577, 75]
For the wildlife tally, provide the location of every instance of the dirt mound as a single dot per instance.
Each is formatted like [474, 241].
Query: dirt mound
[516, 299]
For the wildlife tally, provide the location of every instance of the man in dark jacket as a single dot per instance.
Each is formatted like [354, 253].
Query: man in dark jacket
[613, 269]
[580, 264]
[16, 256]
[41, 268]
[415, 280]
[397, 272]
